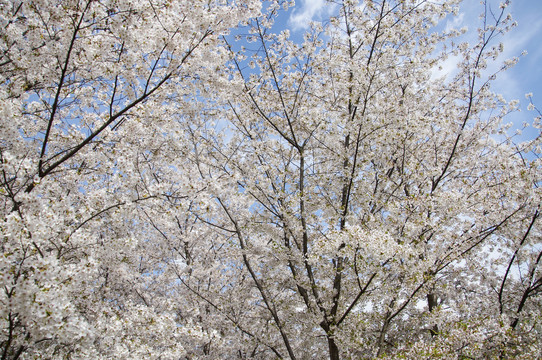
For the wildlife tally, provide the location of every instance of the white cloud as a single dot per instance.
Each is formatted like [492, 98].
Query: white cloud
[446, 69]
[311, 10]
[510, 83]
[456, 23]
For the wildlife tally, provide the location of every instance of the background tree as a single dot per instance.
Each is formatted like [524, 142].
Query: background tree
[85, 94]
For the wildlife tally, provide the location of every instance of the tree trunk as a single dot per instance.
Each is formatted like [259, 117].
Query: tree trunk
[333, 349]
[432, 303]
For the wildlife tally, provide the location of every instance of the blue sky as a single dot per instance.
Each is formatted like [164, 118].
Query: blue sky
[525, 77]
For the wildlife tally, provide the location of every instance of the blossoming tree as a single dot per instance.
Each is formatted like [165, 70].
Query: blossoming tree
[168, 195]
[360, 206]
[85, 88]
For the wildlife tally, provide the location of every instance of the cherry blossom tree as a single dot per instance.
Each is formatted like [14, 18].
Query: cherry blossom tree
[171, 192]
[354, 204]
[85, 88]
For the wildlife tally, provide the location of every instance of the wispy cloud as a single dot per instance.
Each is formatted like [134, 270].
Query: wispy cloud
[514, 82]
[456, 22]
[310, 10]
